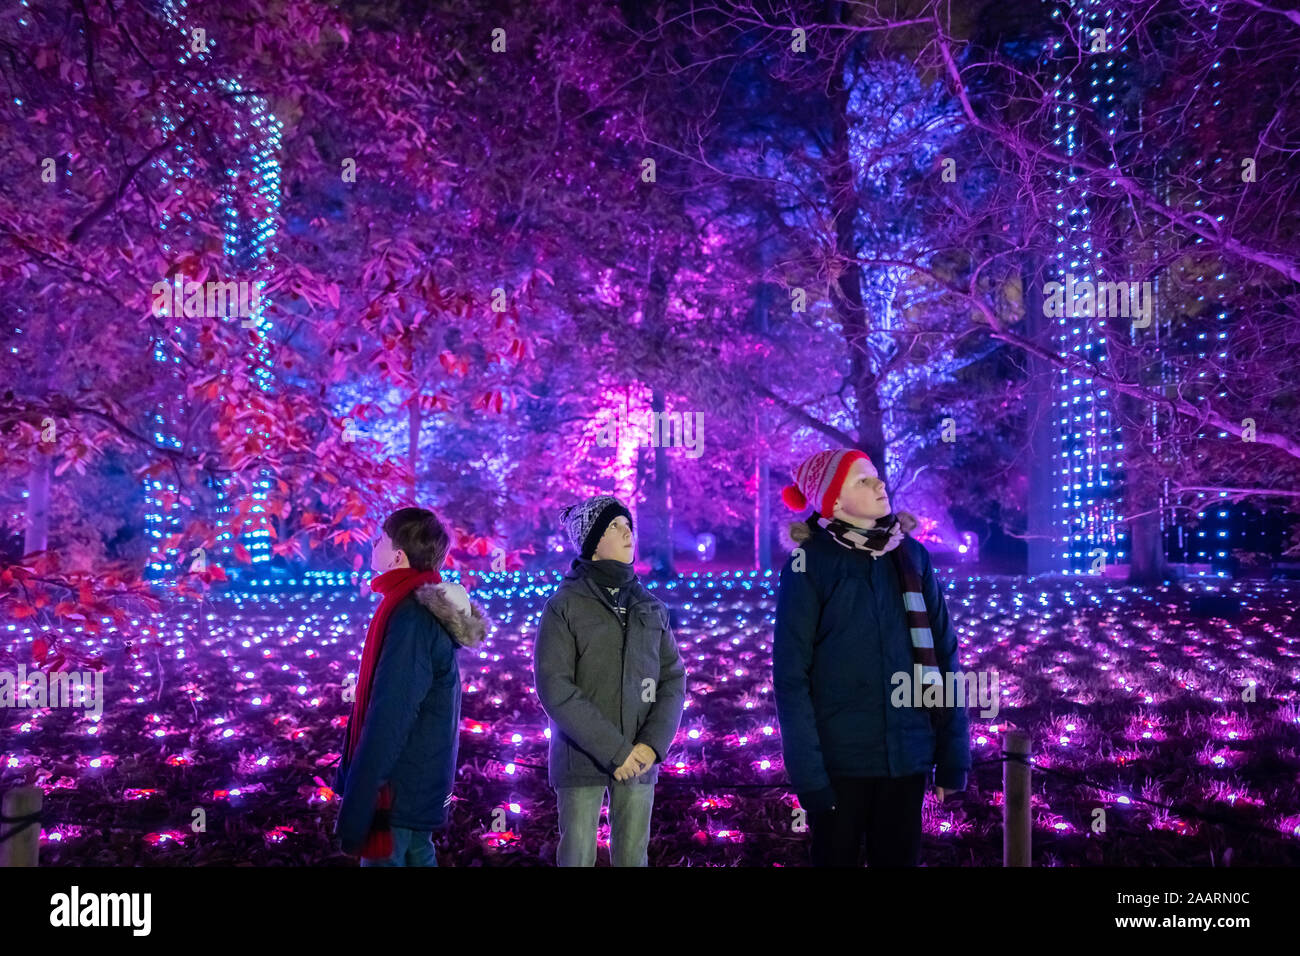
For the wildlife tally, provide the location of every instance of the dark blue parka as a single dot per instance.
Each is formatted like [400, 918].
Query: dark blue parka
[841, 633]
[412, 730]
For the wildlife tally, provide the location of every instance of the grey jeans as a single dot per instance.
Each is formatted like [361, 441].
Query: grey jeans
[629, 823]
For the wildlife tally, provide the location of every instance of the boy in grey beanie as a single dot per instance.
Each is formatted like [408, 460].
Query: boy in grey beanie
[610, 679]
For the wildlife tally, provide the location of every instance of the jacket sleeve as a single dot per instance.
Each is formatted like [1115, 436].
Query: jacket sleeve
[402, 680]
[340, 772]
[798, 610]
[952, 728]
[554, 669]
[660, 727]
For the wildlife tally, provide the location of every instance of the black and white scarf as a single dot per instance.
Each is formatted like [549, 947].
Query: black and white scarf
[885, 535]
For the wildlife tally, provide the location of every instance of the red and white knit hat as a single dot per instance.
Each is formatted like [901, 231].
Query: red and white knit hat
[819, 479]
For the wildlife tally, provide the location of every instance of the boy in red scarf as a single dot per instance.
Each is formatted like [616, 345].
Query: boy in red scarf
[399, 754]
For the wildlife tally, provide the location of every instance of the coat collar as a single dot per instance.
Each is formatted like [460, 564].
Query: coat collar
[583, 586]
[463, 618]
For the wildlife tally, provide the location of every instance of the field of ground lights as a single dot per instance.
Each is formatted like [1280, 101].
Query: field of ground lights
[236, 707]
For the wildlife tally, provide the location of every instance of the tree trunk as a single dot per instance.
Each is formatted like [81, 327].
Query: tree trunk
[1147, 563]
[1142, 499]
[658, 537]
[853, 316]
[1143, 426]
[39, 475]
[763, 295]
[413, 445]
[1043, 517]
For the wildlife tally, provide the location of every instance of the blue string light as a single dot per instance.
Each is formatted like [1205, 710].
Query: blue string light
[249, 198]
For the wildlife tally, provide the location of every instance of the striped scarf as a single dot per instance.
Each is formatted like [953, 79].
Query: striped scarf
[885, 535]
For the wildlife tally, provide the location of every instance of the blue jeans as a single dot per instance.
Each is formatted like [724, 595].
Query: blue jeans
[410, 848]
[629, 823]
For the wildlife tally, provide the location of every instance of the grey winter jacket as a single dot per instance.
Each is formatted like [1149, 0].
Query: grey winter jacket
[605, 691]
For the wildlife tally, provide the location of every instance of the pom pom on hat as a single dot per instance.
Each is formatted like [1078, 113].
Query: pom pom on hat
[793, 498]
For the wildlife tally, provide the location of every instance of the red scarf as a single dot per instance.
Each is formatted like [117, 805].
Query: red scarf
[394, 585]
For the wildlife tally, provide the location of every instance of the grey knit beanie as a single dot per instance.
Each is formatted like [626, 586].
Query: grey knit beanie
[585, 523]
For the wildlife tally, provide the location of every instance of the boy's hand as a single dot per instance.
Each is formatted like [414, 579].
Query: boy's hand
[938, 792]
[638, 762]
[631, 767]
[647, 757]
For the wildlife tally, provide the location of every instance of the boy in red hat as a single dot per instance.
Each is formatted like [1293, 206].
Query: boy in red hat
[859, 603]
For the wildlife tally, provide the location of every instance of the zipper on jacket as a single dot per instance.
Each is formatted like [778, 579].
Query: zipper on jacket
[622, 662]
[875, 600]
[622, 672]
[622, 654]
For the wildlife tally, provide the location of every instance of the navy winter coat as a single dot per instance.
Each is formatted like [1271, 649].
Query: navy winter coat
[411, 733]
[841, 633]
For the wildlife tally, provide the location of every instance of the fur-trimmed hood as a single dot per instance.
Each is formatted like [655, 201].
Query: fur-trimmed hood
[800, 531]
[450, 603]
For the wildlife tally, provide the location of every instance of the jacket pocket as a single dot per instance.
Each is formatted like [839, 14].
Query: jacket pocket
[919, 746]
[647, 634]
